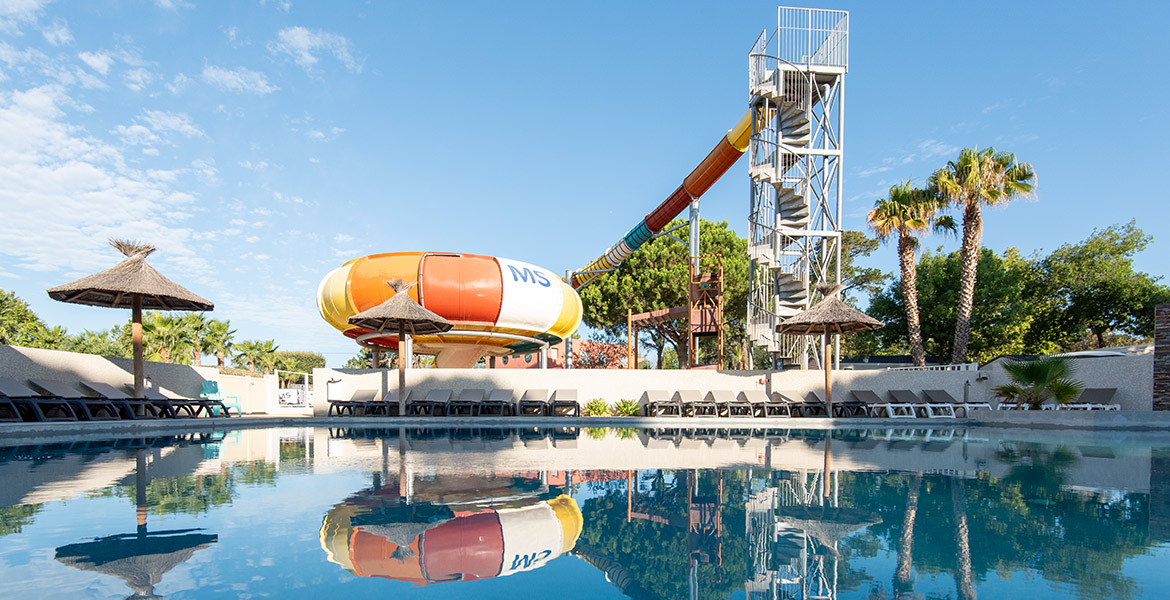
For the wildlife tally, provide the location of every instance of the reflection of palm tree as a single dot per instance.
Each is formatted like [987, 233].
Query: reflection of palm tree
[962, 540]
[903, 582]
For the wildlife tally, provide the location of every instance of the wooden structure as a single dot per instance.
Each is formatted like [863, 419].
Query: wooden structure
[705, 313]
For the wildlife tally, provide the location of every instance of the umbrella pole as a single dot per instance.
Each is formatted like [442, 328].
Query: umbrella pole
[136, 336]
[401, 368]
[828, 377]
[140, 489]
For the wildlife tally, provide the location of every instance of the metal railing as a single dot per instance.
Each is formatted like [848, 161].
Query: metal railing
[962, 367]
[813, 36]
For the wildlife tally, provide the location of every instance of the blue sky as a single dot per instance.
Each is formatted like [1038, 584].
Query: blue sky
[261, 143]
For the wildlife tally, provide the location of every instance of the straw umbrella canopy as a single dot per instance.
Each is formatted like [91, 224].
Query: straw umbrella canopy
[829, 524]
[402, 314]
[131, 284]
[827, 317]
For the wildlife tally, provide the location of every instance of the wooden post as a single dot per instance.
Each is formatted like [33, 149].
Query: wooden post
[136, 337]
[402, 358]
[828, 377]
[630, 352]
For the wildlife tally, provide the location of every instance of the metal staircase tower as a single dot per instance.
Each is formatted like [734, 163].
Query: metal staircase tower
[796, 82]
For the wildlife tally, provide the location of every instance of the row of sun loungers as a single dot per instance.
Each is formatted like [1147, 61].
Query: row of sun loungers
[53, 400]
[468, 403]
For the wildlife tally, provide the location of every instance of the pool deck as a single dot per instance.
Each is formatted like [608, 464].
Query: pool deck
[1045, 421]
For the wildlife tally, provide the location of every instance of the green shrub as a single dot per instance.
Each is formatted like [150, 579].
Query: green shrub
[626, 433]
[626, 408]
[596, 433]
[596, 408]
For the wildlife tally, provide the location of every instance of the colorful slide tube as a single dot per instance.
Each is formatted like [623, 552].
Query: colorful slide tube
[468, 547]
[717, 162]
[487, 298]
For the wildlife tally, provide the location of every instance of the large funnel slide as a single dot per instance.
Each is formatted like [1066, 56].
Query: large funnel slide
[470, 546]
[717, 162]
[482, 295]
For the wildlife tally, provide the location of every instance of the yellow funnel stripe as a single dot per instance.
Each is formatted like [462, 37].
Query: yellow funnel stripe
[571, 312]
[333, 297]
[571, 520]
[741, 134]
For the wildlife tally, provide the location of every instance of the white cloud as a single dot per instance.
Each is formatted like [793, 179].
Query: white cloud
[137, 79]
[237, 222]
[58, 33]
[313, 134]
[150, 151]
[874, 170]
[135, 135]
[254, 166]
[252, 239]
[176, 122]
[238, 80]
[302, 45]
[14, 13]
[179, 83]
[174, 5]
[205, 170]
[934, 149]
[75, 191]
[98, 61]
[314, 159]
[343, 238]
[281, 5]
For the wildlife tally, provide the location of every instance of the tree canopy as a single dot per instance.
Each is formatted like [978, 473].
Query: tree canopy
[656, 277]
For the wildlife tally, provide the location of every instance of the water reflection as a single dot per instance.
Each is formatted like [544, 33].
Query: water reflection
[664, 513]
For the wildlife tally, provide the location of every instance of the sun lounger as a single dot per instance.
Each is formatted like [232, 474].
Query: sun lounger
[534, 403]
[32, 406]
[694, 405]
[86, 408]
[184, 407]
[564, 404]
[498, 404]
[656, 403]
[465, 404]
[354, 406]
[371, 406]
[924, 408]
[8, 410]
[943, 397]
[844, 408]
[884, 409]
[432, 405]
[763, 405]
[792, 399]
[1094, 399]
[728, 404]
[130, 407]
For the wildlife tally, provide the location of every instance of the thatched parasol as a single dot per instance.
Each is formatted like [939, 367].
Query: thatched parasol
[402, 314]
[827, 317]
[141, 558]
[131, 284]
[828, 524]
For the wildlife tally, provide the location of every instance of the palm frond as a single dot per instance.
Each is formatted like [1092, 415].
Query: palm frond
[132, 248]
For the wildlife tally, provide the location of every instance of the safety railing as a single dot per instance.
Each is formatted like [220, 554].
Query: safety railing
[962, 367]
[813, 36]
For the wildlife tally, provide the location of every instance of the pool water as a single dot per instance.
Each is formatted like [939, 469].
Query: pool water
[589, 513]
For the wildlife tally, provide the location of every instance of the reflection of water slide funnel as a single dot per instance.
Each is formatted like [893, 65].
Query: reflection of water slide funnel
[493, 543]
[827, 524]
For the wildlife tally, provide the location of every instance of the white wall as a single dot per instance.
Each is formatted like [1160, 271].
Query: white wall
[22, 364]
[617, 384]
[1132, 375]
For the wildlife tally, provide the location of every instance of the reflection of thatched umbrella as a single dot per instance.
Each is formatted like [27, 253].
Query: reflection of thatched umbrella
[131, 284]
[138, 559]
[408, 317]
[827, 317]
[828, 524]
[141, 558]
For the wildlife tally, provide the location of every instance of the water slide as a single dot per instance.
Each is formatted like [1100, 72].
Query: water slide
[500, 306]
[717, 162]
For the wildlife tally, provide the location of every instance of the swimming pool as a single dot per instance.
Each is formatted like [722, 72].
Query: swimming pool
[589, 513]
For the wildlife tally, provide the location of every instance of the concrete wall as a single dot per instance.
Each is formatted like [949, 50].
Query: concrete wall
[614, 385]
[1132, 375]
[251, 391]
[22, 364]
[1162, 357]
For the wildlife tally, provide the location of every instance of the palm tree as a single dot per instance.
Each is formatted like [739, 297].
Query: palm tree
[1036, 381]
[977, 178]
[903, 580]
[219, 339]
[909, 211]
[963, 579]
[255, 353]
[196, 326]
[165, 337]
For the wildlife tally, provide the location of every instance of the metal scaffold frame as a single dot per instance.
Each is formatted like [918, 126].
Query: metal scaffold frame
[796, 80]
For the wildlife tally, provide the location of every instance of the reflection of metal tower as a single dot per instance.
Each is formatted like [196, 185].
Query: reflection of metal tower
[796, 79]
